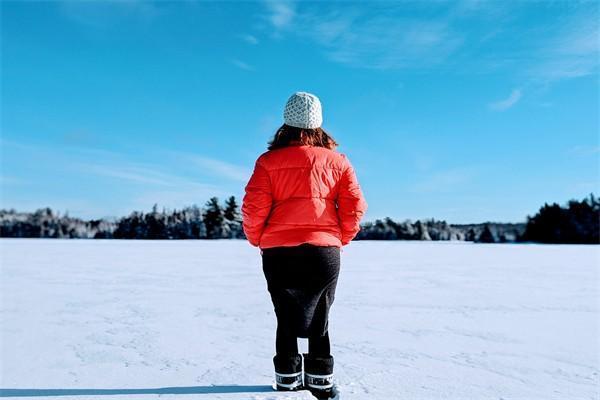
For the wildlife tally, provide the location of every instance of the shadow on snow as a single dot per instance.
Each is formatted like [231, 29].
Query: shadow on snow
[109, 392]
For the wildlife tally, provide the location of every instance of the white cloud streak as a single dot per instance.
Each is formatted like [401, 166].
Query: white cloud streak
[222, 168]
[250, 39]
[444, 181]
[385, 36]
[137, 185]
[505, 104]
[242, 65]
[106, 13]
[361, 38]
[165, 189]
[280, 13]
[120, 167]
[134, 173]
[582, 150]
[574, 52]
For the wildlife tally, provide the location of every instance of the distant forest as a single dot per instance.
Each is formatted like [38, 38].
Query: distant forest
[577, 222]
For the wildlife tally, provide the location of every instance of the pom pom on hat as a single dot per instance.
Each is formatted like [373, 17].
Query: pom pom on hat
[303, 110]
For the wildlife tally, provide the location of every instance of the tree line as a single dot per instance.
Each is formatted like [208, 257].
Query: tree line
[577, 222]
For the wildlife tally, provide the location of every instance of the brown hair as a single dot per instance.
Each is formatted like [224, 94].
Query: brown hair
[312, 137]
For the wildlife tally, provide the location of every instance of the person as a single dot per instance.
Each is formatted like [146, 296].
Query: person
[302, 203]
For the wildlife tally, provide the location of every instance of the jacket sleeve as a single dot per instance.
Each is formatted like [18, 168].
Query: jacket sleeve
[351, 204]
[256, 205]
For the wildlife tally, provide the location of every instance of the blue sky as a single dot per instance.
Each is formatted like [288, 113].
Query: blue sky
[465, 111]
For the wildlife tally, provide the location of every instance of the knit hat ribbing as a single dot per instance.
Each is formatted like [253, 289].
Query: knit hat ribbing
[303, 110]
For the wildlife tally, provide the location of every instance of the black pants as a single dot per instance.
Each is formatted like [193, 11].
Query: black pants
[302, 281]
[286, 343]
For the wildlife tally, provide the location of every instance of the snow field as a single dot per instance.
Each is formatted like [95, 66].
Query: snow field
[411, 320]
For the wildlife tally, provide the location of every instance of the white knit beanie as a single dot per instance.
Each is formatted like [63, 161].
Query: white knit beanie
[303, 110]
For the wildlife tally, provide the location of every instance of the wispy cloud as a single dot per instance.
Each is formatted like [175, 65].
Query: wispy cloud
[385, 36]
[422, 161]
[173, 190]
[445, 180]
[582, 150]
[242, 65]
[175, 180]
[250, 39]
[505, 104]
[11, 180]
[176, 198]
[134, 173]
[361, 37]
[103, 14]
[143, 173]
[221, 168]
[155, 185]
[573, 52]
[280, 13]
[384, 43]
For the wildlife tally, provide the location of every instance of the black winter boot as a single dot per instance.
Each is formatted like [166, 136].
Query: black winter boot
[318, 376]
[288, 372]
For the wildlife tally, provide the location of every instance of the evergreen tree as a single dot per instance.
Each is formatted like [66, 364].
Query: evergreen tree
[197, 227]
[471, 236]
[579, 222]
[155, 222]
[231, 212]
[213, 219]
[233, 220]
[486, 235]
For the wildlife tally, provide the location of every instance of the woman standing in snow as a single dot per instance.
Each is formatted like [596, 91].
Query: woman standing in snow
[301, 205]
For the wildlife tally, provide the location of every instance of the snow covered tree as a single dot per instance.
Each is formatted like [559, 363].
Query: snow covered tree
[422, 231]
[471, 235]
[233, 219]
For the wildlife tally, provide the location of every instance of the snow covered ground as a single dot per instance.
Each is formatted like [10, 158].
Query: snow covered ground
[103, 319]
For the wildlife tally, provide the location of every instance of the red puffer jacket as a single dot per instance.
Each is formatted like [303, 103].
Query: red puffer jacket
[302, 194]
